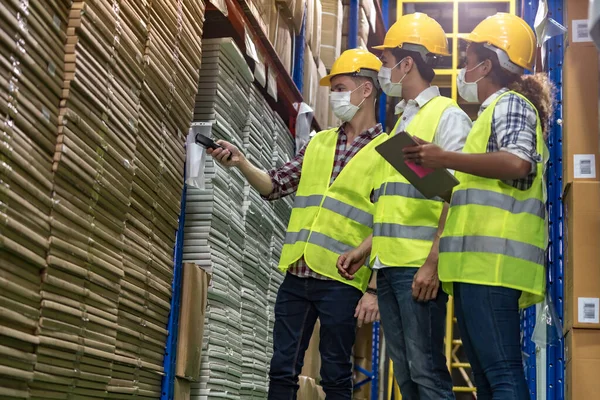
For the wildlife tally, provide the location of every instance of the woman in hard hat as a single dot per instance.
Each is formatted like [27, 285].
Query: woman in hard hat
[407, 226]
[332, 213]
[492, 251]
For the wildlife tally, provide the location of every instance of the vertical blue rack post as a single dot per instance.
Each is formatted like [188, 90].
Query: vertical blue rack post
[168, 381]
[529, 8]
[555, 367]
[300, 42]
[383, 98]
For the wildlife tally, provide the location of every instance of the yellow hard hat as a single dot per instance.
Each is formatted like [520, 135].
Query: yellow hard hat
[416, 29]
[354, 61]
[510, 34]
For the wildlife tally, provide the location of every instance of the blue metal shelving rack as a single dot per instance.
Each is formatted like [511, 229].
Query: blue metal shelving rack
[555, 367]
[168, 382]
[529, 9]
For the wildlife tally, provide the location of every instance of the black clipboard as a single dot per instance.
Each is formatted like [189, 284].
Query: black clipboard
[430, 182]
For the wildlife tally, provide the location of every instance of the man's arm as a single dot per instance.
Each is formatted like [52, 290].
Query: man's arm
[257, 178]
[271, 185]
[434, 253]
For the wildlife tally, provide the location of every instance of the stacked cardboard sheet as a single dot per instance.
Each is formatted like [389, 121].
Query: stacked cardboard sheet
[31, 75]
[74, 113]
[92, 182]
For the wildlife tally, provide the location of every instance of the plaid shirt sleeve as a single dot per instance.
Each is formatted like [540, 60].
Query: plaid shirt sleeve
[515, 127]
[514, 130]
[286, 178]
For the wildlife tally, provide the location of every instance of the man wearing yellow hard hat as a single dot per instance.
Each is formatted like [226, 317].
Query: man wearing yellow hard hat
[333, 213]
[407, 226]
[492, 252]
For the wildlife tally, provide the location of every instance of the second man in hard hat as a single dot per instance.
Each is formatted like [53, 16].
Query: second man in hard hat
[332, 213]
[407, 226]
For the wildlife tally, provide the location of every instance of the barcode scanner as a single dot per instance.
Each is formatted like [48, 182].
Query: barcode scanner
[208, 143]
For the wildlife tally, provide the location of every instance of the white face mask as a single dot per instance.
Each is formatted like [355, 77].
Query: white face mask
[468, 90]
[385, 80]
[342, 106]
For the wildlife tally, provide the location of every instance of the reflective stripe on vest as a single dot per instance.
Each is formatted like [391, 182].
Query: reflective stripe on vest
[487, 244]
[405, 221]
[499, 200]
[400, 189]
[330, 219]
[336, 206]
[495, 234]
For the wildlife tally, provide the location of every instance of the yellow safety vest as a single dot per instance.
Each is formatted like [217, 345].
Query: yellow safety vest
[496, 234]
[329, 220]
[406, 222]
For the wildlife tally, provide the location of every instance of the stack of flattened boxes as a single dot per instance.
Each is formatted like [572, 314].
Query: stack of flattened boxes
[94, 97]
[31, 36]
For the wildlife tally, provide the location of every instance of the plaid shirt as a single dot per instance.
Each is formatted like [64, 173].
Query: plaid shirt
[287, 178]
[514, 130]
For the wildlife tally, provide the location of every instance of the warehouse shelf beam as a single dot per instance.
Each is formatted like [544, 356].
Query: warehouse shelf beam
[168, 381]
[556, 366]
[241, 18]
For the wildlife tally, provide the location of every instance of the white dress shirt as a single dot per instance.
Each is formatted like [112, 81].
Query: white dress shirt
[451, 133]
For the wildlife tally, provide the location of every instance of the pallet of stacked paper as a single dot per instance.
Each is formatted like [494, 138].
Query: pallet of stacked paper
[215, 236]
[32, 71]
[255, 287]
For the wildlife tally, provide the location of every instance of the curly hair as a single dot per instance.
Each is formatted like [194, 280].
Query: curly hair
[537, 88]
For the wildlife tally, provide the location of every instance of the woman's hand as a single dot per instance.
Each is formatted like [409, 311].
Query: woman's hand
[425, 154]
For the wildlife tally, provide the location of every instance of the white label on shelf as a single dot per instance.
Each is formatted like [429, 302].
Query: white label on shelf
[272, 83]
[584, 166]
[581, 32]
[250, 48]
[588, 310]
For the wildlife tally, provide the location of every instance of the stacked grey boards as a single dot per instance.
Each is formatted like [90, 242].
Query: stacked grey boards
[214, 219]
[227, 219]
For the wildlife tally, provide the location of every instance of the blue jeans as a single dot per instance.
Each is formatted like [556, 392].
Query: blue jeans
[489, 323]
[300, 301]
[414, 336]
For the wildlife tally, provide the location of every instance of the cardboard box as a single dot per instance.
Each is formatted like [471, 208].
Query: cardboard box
[576, 22]
[299, 10]
[322, 106]
[581, 161]
[582, 274]
[310, 18]
[363, 344]
[312, 357]
[281, 36]
[320, 392]
[363, 24]
[182, 389]
[289, 6]
[331, 31]
[308, 389]
[311, 78]
[582, 361]
[191, 321]
[315, 41]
